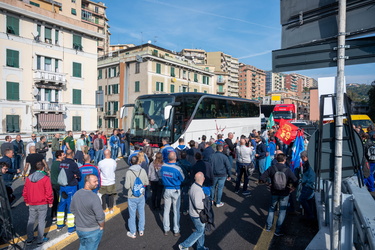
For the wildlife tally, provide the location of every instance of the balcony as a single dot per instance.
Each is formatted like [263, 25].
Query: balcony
[110, 114]
[46, 107]
[220, 91]
[49, 77]
[220, 81]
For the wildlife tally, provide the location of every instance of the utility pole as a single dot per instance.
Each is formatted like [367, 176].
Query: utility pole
[336, 206]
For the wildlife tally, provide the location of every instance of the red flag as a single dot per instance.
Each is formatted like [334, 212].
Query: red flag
[287, 132]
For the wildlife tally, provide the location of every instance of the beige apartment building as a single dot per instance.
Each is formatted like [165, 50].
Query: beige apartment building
[252, 82]
[227, 72]
[124, 75]
[48, 53]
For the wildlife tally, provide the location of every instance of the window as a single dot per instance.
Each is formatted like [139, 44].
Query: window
[100, 74]
[159, 86]
[35, 4]
[158, 68]
[96, 9]
[56, 65]
[137, 67]
[184, 74]
[13, 25]
[38, 29]
[47, 95]
[73, 1]
[96, 20]
[116, 123]
[195, 77]
[100, 122]
[13, 91]
[48, 35]
[74, 12]
[77, 123]
[77, 96]
[13, 58]
[77, 42]
[77, 70]
[38, 62]
[195, 90]
[172, 72]
[115, 106]
[205, 79]
[115, 89]
[113, 72]
[47, 64]
[56, 37]
[12, 123]
[172, 88]
[136, 87]
[155, 53]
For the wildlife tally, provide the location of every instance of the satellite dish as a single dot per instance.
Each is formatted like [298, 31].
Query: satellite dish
[149, 41]
[35, 91]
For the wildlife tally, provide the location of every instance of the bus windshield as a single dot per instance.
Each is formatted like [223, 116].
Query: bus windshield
[282, 114]
[148, 119]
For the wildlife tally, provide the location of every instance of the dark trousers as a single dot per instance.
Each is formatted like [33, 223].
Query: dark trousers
[56, 197]
[241, 170]
[111, 201]
[157, 191]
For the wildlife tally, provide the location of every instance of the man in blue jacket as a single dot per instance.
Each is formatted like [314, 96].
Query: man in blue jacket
[172, 177]
[9, 173]
[166, 149]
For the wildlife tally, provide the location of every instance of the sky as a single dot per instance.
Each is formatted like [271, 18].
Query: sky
[245, 29]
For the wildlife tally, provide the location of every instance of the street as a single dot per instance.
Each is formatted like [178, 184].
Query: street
[239, 223]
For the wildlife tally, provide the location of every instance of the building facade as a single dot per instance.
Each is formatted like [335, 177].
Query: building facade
[252, 82]
[274, 82]
[124, 75]
[227, 71]
[48, 54]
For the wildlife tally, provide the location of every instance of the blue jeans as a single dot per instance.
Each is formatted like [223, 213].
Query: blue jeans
[196, 236]
[185, 198]
[92, 154]
[136, 204]
[122, 146]
[283, 204]
[98, 156]
[219, 182]
[89, 240]
[17, 161]
[114, 152]
[172, 196]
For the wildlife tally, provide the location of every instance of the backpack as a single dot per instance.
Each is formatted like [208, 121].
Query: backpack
[371, 152]
[138, 188]
[206, 215]
[226, 149]
[279, 179]
[62, 179]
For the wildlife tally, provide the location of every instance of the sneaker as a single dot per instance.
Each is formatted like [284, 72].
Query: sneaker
[177, 234]
[59, 229]
[278, 234]
[268, 230]
[247, 192]
[111, 211]
[182, 248]
[220, 204]
[166, 233]
[129, 234]
[70, 233]
[43, 241]
[141, 233]
[29, 242]
[54, 220]
[237, 191]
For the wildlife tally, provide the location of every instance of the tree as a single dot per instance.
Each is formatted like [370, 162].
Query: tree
[371, 103]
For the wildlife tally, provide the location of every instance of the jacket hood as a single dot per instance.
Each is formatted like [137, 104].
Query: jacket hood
[135, 168]
[37, 176]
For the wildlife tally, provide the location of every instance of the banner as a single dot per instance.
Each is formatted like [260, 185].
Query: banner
[270, 122]
[298, 147]
[287, 132]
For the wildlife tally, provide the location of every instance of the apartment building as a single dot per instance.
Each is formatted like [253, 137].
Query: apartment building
[227, 72]
[124, 75]
[299, 83]
[48, 55]
[252, 82]
[274, 82]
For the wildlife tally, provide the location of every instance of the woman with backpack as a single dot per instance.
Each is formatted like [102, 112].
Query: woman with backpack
[155, 180]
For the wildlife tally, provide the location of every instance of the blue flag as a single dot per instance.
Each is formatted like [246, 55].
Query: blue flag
[298, 147]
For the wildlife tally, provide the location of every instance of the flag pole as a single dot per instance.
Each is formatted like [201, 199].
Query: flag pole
[336, 201]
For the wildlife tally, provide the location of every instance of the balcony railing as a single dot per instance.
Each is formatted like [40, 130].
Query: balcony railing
[49, 76]
[49, 107]
[110, 113]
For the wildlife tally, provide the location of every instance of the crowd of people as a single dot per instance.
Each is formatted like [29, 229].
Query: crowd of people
[80, 187]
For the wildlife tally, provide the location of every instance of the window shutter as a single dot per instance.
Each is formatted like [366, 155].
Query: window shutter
[77, 71]
[158, 68]
[13, 91]
[9, 122]
[12, 58]
[172, 88]
[115, 106]
[162, 86]
[116, 123]
[137, 86]
[16, 125]
[13, 25]
[77, 96]
[48, 34]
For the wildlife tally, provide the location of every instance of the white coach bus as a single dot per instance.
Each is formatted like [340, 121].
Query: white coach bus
[190, 115]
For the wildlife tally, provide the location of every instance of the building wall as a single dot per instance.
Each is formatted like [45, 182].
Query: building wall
[314, 104]
[252, 82]
[34, 82]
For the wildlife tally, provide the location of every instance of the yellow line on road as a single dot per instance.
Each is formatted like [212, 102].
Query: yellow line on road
[265, 238]
[71, 238]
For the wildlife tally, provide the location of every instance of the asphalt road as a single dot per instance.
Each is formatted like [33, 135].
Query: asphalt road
[239, 223]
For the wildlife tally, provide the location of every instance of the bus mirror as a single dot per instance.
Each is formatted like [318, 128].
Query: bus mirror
[167, 111]
[123, 109]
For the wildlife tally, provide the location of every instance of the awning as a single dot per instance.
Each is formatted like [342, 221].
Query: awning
[51, 121]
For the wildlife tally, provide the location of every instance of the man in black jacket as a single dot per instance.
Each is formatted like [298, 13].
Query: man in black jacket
[231, 147]
[279, 195]
[206, 168]
[66, 192]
